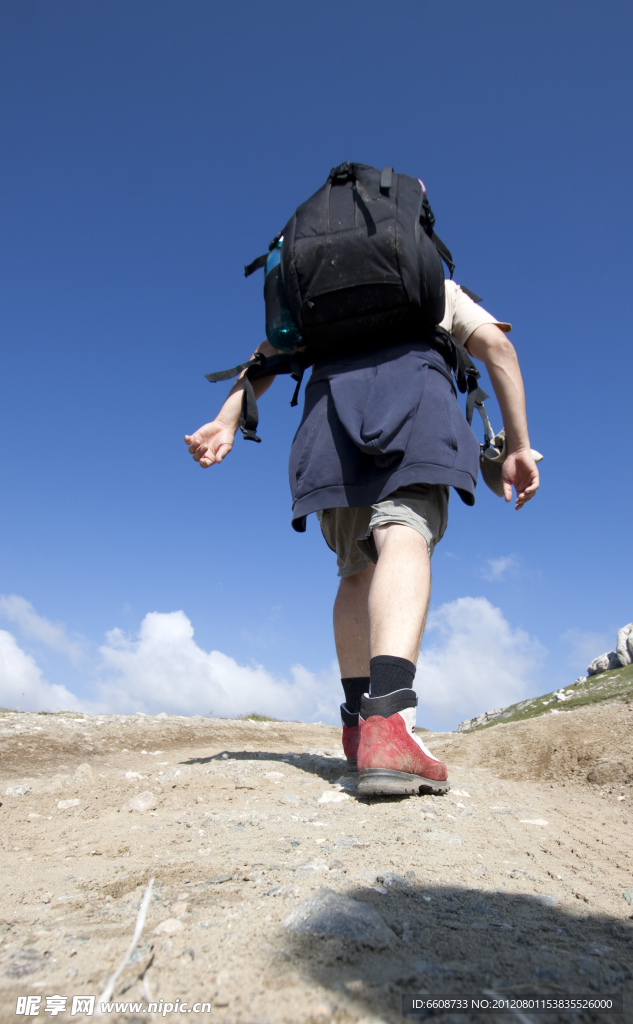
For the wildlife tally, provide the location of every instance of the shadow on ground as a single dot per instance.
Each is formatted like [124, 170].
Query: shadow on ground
[448, 941]
[326, 768]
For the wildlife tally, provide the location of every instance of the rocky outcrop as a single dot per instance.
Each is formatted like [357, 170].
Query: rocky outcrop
[623, 654]
[624, 650]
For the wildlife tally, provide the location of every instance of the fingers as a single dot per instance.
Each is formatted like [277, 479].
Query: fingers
[220, 454]
[527, 494]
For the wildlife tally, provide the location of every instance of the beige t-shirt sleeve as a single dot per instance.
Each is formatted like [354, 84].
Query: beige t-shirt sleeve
[462, 316]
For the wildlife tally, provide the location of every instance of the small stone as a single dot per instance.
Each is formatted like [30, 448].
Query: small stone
[348, 784]
[133, 775]
[331, 913]
[316, 865]
[332, 798]
[440, 835]
[534, 821]
[628, 896]
[179, 908]
[169, 927]
[23, 962]
[289, 798]
[344, 841]
[17, 790]
[143, 802]
[275, 775]
[545, 900]
[84, 773]
[391, 879]
[63, 805]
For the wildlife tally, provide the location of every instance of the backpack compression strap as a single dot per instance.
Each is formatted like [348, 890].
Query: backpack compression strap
[259, 366]
[467, 377]
[295, 363]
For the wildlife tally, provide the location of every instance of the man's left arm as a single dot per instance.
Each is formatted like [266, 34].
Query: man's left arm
[489, 343]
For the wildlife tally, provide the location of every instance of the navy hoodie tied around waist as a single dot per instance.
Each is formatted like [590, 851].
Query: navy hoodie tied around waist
[377, 422]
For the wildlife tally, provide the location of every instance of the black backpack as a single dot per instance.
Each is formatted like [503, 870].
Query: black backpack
[360, 263]
[360, 269]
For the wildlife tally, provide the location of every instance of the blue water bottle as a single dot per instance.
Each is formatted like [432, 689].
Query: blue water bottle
[281, 329]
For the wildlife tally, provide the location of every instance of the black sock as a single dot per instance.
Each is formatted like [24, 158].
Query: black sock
[389, 674]
[355, 687]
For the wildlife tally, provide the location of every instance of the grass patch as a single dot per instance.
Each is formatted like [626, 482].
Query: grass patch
[617, 684]
[256, 717]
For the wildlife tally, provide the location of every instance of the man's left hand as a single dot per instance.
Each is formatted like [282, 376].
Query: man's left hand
[519, 469]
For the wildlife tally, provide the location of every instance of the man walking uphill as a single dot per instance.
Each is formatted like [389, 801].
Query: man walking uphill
[357, 281]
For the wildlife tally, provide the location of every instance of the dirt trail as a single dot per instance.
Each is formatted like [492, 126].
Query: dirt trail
[513, 882]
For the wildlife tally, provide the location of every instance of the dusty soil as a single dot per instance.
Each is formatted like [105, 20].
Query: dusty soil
[512, 883]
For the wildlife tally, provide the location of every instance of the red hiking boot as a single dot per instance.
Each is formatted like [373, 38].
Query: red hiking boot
[351, 736]
[392, 760]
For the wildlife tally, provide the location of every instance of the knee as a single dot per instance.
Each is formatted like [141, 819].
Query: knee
[397, 538]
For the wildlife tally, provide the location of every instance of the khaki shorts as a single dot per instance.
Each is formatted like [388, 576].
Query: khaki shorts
[348, 531]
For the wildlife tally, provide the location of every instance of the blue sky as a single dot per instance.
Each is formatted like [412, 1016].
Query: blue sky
[149, 150]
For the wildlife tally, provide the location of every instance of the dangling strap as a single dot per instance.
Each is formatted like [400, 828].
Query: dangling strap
[249, 417]
[259, 366]
[233, 372]
[255, 265]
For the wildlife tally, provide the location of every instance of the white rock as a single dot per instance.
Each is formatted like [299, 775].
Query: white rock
[18, 791]
[332, 798]
[624, 649]
[169, 927]
[63, 805]
[84, 773]
[143, 802]
[534, 821]
[604, 663]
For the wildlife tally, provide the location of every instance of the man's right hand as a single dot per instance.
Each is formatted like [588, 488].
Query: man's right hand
[210, 443]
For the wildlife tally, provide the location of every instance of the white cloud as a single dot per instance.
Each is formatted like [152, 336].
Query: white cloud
[22, 613]
[164, 669]
[473, 661]
[497, 569]
[22, 685]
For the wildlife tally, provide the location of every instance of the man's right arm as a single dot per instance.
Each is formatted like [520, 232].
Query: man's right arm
[213, 441]
[489, 343]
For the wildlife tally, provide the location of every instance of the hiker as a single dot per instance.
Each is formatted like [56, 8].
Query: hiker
[381, 441]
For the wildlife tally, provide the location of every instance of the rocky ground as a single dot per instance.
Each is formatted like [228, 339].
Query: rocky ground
[280, 897]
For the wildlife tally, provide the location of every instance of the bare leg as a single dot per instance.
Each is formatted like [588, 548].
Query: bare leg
[351, 624]
[400, 592]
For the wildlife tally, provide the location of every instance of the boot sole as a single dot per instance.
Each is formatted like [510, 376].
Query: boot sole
[386, 782]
